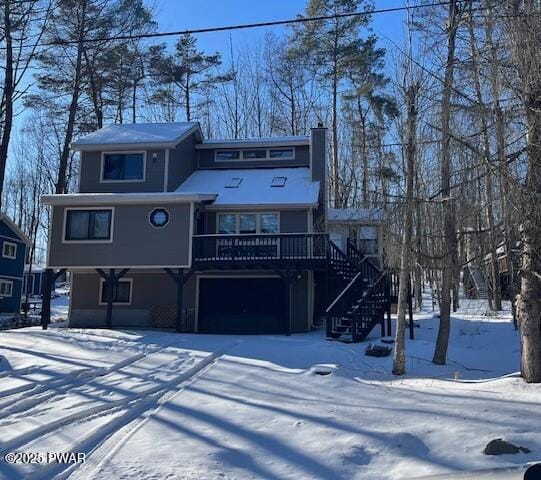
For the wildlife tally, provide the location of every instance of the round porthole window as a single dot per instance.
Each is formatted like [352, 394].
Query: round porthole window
[159, 217]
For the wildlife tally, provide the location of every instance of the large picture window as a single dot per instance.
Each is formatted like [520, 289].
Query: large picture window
[247, 223]
[123, 167]
[88, 225]
[121, 292]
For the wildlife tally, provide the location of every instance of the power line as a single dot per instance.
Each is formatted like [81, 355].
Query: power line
[244, 26]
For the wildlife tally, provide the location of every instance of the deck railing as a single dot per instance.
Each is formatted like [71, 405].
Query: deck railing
[261, 247]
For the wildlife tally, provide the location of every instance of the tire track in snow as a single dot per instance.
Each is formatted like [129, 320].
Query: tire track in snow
[38, 392]
[102, 443]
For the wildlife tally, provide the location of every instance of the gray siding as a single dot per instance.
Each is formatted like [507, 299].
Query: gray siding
[135, 241]
[293, 221]
[153, 290]
[182, 162]
[90, 175]
[302, 158]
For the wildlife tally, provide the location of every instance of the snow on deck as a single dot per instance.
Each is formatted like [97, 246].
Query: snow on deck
[149, 404]
[254, 187]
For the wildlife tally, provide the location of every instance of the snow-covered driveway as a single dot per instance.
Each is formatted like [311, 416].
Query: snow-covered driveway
[147, 405]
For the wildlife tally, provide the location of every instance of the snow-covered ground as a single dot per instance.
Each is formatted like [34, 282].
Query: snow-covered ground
[160, 405]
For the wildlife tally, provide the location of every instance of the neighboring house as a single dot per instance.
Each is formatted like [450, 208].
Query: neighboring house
[13, 243]
[212, 236]
[34, 280]
[360, 227]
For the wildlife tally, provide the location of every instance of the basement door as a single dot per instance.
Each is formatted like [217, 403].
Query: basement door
[242, 305]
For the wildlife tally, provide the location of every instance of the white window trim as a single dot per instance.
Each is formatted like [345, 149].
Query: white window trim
[237, 222]
[78, 242]
[120, 304]
[4, 255]
[102, 180]
[10, 283]
[242, 150]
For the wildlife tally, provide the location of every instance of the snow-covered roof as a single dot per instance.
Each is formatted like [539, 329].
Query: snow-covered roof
[253, 187]
[138, 134]
[352, 214]
[283, 141]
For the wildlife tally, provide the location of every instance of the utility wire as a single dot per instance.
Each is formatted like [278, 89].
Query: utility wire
[244, 26]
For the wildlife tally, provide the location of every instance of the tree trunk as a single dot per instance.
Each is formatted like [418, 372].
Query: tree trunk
[61, 183]
[399, 361]
[7, 95]
[524, 30]
[449, 230]
[495, 291]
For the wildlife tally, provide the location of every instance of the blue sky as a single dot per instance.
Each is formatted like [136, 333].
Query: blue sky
[190, 14]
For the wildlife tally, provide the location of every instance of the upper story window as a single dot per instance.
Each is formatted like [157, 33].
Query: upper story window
[88, 225]
[9, 250]
[123, 167]
[368, 240]
[281, 153]
[227, 155]
[255, 154]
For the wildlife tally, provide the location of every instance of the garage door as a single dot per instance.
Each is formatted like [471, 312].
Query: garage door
[242, 305]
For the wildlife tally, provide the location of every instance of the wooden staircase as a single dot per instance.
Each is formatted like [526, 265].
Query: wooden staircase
[361, 294]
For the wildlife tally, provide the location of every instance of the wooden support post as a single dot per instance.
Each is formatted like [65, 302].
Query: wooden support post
[50, 281]
[46, 299]
[180, 279]
[110, 280]
[109, 293]
[180, 288]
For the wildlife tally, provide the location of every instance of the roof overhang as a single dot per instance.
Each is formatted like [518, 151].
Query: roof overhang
[81, 199]
[255, 143]
[261, 206]
[95, 147]
[16, 229]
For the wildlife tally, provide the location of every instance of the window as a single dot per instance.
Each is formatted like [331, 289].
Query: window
[281, 153]
[88, 225]
[123, 167]
[234, 182]
[159, 217]
[368, 240]
[227, 223]
[269, 223]
[228, 155]
[278, 181]
[9, 250]
[248, 223]
[254, 154]
[121, 292]
[6, 288]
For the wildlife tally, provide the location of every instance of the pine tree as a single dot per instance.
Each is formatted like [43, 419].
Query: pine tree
[188, 69]
[333, 47]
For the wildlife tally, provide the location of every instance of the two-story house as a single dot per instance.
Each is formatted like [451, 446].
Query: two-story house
[13, 247]
[213, 236]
